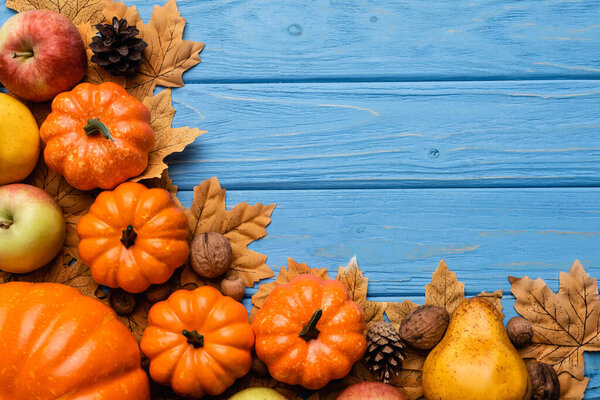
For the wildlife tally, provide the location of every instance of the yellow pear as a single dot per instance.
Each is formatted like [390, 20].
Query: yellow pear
[475, 360]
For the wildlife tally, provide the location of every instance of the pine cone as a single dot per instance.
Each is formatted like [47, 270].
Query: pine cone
[117, 49]
[385, 351]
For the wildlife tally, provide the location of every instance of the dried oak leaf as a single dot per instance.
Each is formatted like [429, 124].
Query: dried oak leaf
[572, 388]
[352, 278]
[565, 324]
[77, 11]
[65, 268]
[168, 140]
[444, 290]
[167, 56]
[241, 225]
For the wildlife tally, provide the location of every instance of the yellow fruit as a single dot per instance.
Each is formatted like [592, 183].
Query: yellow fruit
[19, 140]
[475, 360]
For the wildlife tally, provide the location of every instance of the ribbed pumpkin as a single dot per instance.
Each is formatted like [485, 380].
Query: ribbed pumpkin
[97, 136]
[133, 237]
[198, 342]
[309, 332]
[59, 344]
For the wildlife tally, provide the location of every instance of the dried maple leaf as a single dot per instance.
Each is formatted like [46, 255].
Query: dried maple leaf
[77, 11]
[168, 140]
[397, 311]
[352, 278]
[241, 225]
[167, 56]
[565, 324]
[444, 290]
[572, 388]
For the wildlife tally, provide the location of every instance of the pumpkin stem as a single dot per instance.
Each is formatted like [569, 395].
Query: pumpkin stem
[310, 331]
[194, 338]
[95, 126]
[128, 238]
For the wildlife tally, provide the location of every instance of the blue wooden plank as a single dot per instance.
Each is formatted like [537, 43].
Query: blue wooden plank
[264, 40]
[399, 236]
[257, 40]
[390, 135]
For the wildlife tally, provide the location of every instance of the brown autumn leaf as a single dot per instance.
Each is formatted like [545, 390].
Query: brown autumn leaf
[572, 388]
[352, 278]
[138, 320]
[65, 268]
[77, 11]
[565, 324]
[168, 140]
[359, 373]
[397, 311]
[241, 225]
[495, 298]
[444, 290]
[167, 56]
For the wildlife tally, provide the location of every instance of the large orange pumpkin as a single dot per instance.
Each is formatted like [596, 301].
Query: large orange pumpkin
[59, 344]
[133, 237]
[198, 342]
[97, 136]
[309, 332]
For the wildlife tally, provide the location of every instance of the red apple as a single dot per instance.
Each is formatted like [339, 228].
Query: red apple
[32, 228]
[41, 54]
[371, 391]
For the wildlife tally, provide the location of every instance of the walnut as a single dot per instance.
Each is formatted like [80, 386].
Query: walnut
[210, 254]
[424, 327]
[233, 286]
[122, 302]
[156, 293]
[519, 331]
[544, 381]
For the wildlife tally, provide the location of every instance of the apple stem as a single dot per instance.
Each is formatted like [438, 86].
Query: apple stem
[194, 338]
[95, 126]
[24, 54]
[5, 223]
[310, 331]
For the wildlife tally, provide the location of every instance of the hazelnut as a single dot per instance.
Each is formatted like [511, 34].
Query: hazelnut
[520, 331]
[210, 255]
[424, 327]
[544, 381]
[156, 293]
[122, 302]
[233, 286]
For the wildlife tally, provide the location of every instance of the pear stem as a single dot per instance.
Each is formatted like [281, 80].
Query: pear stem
[24, 54]
[310, 331]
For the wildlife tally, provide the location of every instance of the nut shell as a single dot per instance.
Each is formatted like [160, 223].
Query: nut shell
[424, 327]
[520, 331]
[544, 381]
[156, 293]
[122, 302]
[210, 255]
[233, 286]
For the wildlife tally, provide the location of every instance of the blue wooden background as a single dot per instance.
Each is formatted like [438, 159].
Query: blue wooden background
[404, 132]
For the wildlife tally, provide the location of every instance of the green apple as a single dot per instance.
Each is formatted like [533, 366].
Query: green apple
[258, 393]
[32, 228]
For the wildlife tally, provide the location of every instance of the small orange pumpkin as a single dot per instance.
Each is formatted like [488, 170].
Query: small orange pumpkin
[133, 237]
[309, 332]
[59, 344]
[198, 342]
[97, 136]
